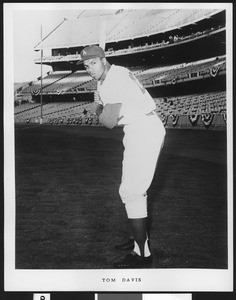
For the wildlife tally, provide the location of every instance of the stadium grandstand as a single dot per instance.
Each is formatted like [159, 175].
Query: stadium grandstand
[179, 56]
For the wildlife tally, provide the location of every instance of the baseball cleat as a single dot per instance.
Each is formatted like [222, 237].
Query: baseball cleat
[134, 261]
[127, 245]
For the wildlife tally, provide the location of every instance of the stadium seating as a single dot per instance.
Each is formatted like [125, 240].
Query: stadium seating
[50, 110]
[213, 103]
[25, 107]
[46, 81]
[67, 82]
[179, 72]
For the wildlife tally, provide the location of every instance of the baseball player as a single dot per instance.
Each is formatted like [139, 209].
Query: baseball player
[124, 101]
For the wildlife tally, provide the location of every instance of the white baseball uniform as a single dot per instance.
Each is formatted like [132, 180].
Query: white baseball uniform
[143, 138]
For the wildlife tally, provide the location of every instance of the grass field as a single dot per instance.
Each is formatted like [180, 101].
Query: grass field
[68, 211]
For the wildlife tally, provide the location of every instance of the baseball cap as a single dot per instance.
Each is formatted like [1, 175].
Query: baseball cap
[91, 52]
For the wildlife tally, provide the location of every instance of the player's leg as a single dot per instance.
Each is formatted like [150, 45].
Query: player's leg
[142, 147]
[139, 228]
[127, 242]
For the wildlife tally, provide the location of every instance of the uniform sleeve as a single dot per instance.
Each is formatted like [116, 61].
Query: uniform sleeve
[110, 114]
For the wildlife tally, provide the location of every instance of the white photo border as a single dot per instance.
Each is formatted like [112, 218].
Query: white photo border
[157, 280]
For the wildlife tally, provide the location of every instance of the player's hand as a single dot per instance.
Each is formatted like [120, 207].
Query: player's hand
[97, 98]
[96, 108]
[99, 109]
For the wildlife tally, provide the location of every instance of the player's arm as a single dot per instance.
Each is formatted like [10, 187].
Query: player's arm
[110, 115]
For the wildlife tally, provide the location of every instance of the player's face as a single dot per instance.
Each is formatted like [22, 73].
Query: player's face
[95, 67]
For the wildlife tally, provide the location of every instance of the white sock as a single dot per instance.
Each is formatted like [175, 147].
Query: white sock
[146, 249]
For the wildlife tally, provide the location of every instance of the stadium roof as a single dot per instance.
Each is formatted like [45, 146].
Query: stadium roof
[121, 24]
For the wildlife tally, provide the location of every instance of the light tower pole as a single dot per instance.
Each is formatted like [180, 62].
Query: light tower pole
[102, 42]
[41, 63]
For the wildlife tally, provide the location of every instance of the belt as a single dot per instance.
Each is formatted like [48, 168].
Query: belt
[152, 113]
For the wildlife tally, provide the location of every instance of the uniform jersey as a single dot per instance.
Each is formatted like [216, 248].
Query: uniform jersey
[121, 86]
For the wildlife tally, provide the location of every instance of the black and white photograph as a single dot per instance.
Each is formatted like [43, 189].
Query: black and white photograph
[118, 147]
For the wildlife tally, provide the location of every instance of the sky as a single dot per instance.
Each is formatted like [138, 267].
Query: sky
[26, 35]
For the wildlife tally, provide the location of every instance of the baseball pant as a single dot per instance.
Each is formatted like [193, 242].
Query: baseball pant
[143, 140]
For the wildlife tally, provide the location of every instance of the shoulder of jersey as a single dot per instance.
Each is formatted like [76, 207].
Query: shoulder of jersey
[120, 68]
